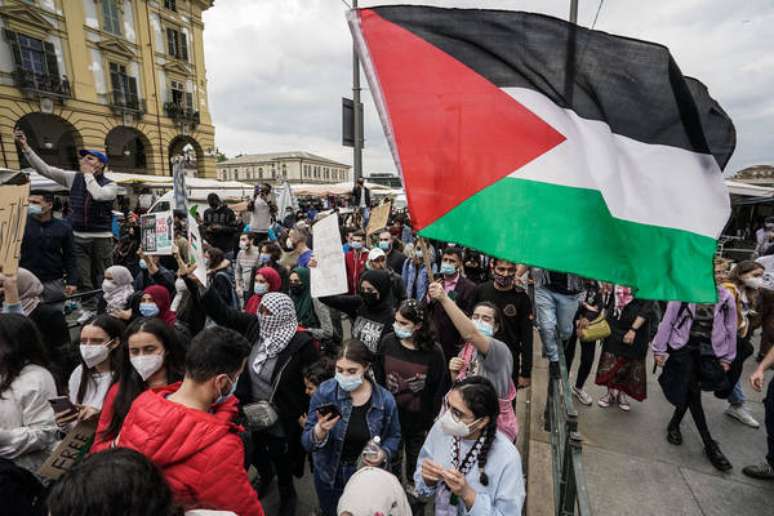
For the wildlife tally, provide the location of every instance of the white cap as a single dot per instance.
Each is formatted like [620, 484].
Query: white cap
[375, 254]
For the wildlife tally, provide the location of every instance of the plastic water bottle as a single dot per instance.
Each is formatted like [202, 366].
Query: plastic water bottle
[371, 451]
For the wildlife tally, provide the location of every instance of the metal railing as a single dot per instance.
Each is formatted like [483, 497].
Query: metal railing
[122, 101]
[180, 112]
[570, 494]
[39, 84]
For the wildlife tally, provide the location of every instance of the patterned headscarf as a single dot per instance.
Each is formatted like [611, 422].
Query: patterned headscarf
[118, 296]
[277, 329]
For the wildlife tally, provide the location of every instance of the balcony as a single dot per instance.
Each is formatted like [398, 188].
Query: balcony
[181, 113]
[39, 85]
[126, 103]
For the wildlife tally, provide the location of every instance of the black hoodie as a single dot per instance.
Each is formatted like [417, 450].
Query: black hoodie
[371, 321]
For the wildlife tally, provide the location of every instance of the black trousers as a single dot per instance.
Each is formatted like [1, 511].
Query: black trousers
[588, 352]
[270, 454]
[693, 404]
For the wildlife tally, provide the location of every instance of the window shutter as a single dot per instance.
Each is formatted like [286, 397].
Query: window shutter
[13, 40]
[51, 65]
[171, 42]
[134, 98]
[189, 100]
[183, 47]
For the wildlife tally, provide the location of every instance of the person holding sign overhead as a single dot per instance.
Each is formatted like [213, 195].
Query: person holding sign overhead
[91, 203]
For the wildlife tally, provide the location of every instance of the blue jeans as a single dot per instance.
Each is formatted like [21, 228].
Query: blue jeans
[328, 496]
[555, 315]
[737, 396]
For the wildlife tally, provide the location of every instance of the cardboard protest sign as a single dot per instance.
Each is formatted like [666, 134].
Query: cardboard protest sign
[330, 276]
[157, 233]
[197, 249]
[70, 451]
[379, 218]
[13, 219]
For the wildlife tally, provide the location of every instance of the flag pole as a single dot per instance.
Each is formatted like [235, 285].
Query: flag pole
[573, 11]
[357, 160]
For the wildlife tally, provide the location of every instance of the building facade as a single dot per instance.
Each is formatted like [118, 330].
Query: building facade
[124, 76]
[295, 167]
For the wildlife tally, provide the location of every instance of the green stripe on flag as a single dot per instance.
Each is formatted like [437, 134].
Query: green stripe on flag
[571, 230]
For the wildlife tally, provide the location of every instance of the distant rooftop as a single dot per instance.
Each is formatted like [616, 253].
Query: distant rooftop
[278, 156]
[756, 172]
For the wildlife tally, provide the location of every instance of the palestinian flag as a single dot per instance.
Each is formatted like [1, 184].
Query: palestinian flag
[537, 141]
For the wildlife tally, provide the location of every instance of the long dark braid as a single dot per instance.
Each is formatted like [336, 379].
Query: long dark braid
[480, 396]
[490, 432]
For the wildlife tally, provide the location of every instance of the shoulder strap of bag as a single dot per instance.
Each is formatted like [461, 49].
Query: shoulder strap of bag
[278, 378]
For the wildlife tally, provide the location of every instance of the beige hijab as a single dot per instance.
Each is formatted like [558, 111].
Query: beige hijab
[371, 492]
[30, 290]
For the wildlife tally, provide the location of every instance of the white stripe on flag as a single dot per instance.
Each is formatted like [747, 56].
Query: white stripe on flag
[651, 184]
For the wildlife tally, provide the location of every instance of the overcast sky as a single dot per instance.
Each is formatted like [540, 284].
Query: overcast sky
[277, 69]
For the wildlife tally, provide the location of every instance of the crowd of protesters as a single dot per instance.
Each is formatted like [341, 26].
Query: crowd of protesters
[397, 396]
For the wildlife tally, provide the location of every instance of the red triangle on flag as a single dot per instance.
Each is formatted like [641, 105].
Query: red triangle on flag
[456, 133]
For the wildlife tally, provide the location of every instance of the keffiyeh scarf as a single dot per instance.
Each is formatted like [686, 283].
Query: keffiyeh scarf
[276, 330]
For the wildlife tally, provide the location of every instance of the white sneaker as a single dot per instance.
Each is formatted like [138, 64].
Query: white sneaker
[606, 400]
[741, 414]
[583, 396]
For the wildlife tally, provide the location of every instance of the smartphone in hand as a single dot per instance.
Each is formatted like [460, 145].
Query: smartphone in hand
[327, 410]
[62, 404]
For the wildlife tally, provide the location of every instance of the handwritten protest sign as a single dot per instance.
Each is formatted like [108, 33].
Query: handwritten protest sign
[157, 234]
[379, 217]
[330, 276]
[13, 219]
[71, 450]
[197, 249]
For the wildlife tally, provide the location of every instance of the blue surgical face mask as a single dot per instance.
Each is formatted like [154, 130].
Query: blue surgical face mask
[231, 391]
[484, 328]
[357, 245]
[402, 332]
[260, 288]
[384, 245]
[264, 258]
[349, 383]
[34, 209]
[448, 268]
[143, 265]
[149, 309]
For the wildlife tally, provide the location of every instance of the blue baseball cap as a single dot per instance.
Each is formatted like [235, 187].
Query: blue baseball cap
[97, 154]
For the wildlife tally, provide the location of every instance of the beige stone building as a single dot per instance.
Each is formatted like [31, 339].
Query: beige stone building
[295, 167]
[125, 76]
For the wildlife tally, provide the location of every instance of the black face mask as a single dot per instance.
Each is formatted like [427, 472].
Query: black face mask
[370, 298]
[214, 205]
[296, 289]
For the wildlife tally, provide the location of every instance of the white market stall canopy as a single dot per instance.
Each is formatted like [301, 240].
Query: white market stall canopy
[198, 188]
[314, 189]
[748, 190]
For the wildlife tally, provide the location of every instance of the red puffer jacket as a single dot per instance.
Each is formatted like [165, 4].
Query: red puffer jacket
[200, 453]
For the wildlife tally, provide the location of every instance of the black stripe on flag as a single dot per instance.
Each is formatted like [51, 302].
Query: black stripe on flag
[634, 86]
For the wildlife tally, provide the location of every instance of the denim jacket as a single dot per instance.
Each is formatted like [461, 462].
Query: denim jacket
[382, 418]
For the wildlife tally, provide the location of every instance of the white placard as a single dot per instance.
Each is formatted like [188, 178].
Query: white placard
[197, 249]
[329, 278]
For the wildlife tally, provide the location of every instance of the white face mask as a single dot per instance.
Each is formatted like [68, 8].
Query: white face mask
[95, 354]
[454, 427]
[146, 365]
[753, 282]
[243, 246]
